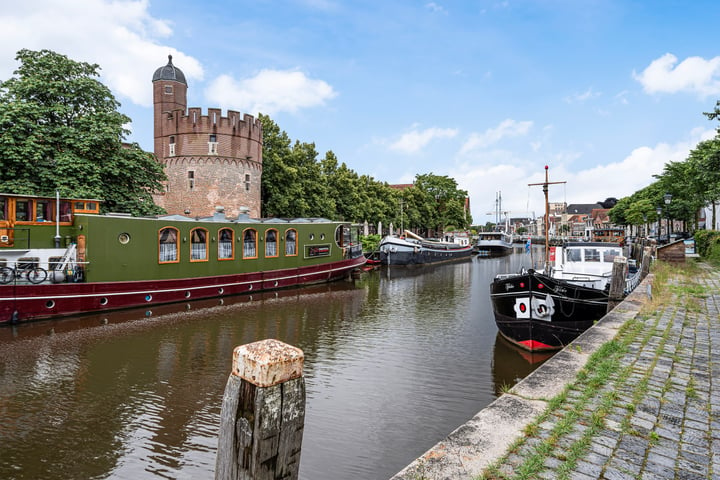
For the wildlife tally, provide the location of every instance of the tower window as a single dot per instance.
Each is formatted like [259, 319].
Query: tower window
[171, 151]
[191, 179]
[247, 182]
[212, 144]
[168, 89]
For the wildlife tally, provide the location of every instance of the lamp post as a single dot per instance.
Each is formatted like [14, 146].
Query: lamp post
[667, 198]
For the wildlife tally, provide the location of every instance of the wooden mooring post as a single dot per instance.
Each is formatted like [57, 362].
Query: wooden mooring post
[263, 414]
[617, 283]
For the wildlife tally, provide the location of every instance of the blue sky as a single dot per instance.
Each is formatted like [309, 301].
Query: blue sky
[604, 92]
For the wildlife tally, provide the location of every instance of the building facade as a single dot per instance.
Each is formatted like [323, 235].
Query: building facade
[210, 160]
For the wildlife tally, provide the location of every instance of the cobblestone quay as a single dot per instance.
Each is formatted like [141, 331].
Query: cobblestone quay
[644, 405]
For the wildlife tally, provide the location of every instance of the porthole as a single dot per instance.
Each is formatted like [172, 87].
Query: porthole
[312, 236]
[148, 297]
[276, 283]
[124, 238]
[103, 301]
[187, 294]
[322, 236]
[250, 287]
[50, 304]
[220, 291]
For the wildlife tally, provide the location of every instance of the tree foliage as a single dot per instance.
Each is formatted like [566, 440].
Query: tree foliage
[60, 131]
[296, 184]
[693, 184]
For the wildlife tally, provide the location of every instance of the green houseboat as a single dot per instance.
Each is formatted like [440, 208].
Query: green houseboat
[61, 257]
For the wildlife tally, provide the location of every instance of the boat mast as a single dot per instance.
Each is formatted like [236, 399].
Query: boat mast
[547, 215]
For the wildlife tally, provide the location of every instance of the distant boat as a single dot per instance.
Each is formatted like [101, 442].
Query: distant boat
[412, 249]
[494, 244]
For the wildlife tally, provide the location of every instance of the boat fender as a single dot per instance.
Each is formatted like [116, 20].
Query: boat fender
[393, 249]
[14, 318]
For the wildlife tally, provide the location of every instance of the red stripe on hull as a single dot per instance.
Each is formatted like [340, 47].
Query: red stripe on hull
[531, 345]
[534, 345]
[32, 302]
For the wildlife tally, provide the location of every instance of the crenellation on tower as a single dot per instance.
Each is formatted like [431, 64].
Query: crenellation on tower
[209, 159]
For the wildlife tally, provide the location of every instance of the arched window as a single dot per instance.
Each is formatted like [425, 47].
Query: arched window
[291, 242]
[225, 244]
[168, 245]
[271, 237]
[198, 244]
[250, 243]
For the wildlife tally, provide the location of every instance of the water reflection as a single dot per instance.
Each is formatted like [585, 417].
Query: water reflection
[394, 362]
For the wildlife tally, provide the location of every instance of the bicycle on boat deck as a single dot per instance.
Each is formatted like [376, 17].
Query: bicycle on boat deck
[31, 273]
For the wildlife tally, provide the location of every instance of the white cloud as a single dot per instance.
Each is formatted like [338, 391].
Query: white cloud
[507, 128]
[120, 36]
[269, 92]
[434, 7]
[416, 140]
[506, 173]
[694, 74]
[582, 97]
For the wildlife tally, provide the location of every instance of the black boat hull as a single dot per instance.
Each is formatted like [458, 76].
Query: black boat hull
[424, 256]
[537, 312]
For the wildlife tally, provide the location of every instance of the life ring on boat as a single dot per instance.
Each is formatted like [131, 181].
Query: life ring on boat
[393, 249]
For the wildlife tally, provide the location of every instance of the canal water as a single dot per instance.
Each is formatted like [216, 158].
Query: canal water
[394, 361]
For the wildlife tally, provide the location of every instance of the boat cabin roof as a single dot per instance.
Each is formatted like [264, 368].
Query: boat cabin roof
[591, 244]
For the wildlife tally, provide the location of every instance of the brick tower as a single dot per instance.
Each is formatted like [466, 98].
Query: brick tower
[210, 160]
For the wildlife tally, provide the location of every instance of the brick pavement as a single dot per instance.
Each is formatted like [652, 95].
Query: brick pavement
[657, 416]
[645, 405]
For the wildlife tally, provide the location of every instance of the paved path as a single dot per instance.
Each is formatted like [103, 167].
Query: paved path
[644, 405]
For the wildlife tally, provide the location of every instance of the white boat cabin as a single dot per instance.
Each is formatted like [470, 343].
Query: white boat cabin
[589, 264]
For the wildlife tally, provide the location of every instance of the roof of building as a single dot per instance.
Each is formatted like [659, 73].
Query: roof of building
[169, 72]
[584, 208]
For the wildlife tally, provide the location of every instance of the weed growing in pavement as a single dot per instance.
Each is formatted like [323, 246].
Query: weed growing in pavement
[603, 377]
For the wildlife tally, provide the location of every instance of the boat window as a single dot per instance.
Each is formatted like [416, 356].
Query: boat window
[198, 244]
[43, 211]
[168, 241]
[225, 244]
[573, 255]
[85, 207]
[609, 255]
[54, 262]
[271, 243]
[342, 236]
[592, 255]
[22, 211]
[250, 243]
[65, 212]
[3, 206]
[291, 242]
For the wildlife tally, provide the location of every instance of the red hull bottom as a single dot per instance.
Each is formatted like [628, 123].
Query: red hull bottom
[33, 302]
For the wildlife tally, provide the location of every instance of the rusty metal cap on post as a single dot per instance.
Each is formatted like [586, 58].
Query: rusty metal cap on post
[267, 362]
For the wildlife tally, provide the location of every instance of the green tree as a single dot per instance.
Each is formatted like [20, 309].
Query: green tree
[60, 131]
[449, 201]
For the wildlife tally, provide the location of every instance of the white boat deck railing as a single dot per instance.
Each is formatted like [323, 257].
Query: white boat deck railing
[632, 281]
